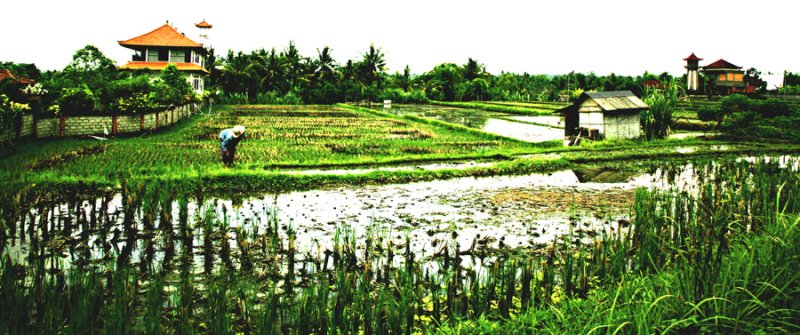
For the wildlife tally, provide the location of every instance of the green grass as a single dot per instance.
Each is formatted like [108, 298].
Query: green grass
[278, 137]
[312, 137]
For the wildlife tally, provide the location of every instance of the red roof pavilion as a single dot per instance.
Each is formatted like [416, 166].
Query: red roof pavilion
[692, 57]
[203, 24]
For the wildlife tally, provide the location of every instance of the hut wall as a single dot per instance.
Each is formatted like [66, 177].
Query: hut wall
[592, 120]
[622, 126]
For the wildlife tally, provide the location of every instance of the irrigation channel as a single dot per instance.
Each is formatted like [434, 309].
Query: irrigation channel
[392, 257]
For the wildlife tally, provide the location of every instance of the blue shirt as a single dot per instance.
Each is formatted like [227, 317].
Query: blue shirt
[229, 142]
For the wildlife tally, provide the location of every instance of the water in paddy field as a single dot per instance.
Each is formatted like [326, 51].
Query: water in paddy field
[523, 131]
[482, 215]
[523, 128]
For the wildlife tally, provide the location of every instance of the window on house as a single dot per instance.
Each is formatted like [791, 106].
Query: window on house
[152, 55]
[738, 77]
[723, 76]
[197, 82]
[177, 56]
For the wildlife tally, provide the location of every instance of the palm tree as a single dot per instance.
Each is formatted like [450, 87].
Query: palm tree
[473, 70]
[235, 76]
[267, 68]
[372, 66]
[295, 65]
[324, 65]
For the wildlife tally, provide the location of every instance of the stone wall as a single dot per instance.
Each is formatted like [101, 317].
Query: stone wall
[66, 126]
[8, 133]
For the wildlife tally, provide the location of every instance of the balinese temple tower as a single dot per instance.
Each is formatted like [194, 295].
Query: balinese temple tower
[692, 67]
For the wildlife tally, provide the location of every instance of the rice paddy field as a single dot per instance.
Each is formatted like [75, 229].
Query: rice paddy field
[348, 220]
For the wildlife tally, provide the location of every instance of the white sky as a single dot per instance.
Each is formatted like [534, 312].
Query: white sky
[621, 36]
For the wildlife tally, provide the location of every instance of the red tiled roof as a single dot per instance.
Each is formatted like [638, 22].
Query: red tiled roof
[692, 57]
[158, 66]
[6, 74]
[721, 64]
[164, 36]
[203, 24]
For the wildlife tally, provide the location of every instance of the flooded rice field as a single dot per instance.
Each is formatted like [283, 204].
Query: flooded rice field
[487, 215]
[307, 262]
[524, 128]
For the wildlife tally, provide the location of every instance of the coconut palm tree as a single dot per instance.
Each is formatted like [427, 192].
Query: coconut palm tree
[235, 76]
[372, 66]
[325, 67]
[268, 69]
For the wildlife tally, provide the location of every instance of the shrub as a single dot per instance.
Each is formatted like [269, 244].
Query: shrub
[709, 113]
[772, 108]
[172, 89]
[75, 100]
[657, 120]
[132, 95]
[735, 103]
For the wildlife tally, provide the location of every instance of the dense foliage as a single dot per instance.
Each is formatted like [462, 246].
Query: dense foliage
[92, 83]
[657, 121]
[265, 76]
[743, 116]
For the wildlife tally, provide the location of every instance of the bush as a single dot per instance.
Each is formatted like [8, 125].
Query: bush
[132, 95]
[735, 103]
[172, 89]
[772, 108]
[77, 100]
[709, 113]
[657, 120]
[232, 99]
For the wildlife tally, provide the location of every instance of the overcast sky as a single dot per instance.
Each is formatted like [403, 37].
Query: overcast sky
[620, 36]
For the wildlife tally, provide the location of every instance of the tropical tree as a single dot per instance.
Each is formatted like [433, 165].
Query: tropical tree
[473, 70]
[372, 66]
[235, 77]
[325, 67]
[294, 66]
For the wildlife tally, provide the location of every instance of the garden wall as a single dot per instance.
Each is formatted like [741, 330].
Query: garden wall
[95, 125]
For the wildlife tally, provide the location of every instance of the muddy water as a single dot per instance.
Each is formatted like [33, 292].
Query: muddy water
[481, 215]
[500, 212]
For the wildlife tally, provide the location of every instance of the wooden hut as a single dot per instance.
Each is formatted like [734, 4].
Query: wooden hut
[609, 115]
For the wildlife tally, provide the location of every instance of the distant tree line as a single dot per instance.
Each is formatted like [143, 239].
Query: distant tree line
[286, 76]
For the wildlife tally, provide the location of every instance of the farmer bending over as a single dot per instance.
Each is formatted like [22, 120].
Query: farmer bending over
[229, 138]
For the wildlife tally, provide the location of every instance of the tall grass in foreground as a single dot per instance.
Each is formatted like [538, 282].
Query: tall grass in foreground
[716, 256]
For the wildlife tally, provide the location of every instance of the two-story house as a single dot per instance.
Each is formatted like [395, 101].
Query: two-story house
[155, 50]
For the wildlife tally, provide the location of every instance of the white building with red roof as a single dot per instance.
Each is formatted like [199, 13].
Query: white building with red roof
[155, 50]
